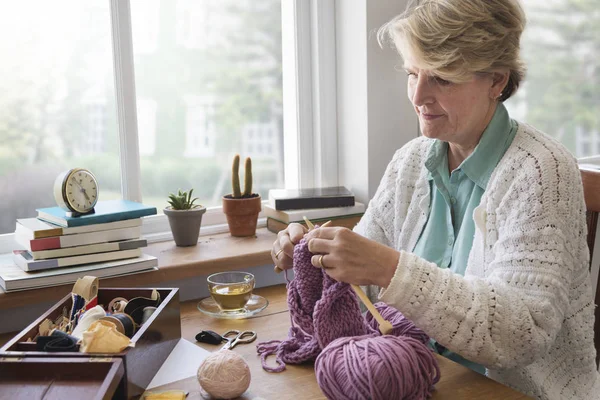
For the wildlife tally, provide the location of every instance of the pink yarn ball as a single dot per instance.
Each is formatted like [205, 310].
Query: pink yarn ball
[224, 375]
[377, 368]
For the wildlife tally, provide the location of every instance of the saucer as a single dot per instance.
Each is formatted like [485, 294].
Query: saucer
[255, 305]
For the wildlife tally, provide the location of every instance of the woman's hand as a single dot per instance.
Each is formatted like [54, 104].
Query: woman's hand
[349, 257]
[283, 248]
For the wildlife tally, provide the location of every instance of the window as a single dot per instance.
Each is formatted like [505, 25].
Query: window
[57, 108]
[213, 70]
[560, 94]
[157, 95]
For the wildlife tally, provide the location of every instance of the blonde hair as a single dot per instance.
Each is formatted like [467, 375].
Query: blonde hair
[458, 38]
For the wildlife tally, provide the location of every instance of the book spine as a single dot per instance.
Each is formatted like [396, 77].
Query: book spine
[315, 202]
[89, 249]
[99, 237]
[126, 223]
[44, 244]
[24, 261]
[81, 239]
[101, 219]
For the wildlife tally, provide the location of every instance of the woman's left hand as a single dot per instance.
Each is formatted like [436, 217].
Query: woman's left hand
[349, 257]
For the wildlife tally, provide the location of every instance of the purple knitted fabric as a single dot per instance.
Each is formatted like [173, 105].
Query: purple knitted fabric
[323, 310]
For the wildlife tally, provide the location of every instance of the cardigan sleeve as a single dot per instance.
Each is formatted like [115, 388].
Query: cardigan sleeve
[508, 313]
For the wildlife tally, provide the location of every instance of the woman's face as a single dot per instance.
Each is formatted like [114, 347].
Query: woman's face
[451, 112]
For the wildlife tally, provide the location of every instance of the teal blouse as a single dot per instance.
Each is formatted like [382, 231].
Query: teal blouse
[447, 237]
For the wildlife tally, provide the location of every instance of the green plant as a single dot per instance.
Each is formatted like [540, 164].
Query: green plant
[182, 200]
[235, 178]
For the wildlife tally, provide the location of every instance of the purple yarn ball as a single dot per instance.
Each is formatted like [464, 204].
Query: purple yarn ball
[377, 368]
[401, 326]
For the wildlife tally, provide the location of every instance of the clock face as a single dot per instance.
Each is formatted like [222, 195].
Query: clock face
[80, 190]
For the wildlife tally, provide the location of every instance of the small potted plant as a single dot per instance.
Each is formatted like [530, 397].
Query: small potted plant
[242, 208]
[185, 218]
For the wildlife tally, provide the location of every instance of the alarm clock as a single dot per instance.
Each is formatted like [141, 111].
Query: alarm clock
[76, 191]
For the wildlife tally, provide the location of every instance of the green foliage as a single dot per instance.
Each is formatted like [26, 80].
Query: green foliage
[182, 200]
[236, 193]
[247, 178]
[235, 178]
[562, 95]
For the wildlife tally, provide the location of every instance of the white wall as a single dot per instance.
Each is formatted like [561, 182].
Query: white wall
[374, 115]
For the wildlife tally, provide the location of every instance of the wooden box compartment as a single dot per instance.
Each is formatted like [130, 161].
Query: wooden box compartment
[152, 343]
[62, 378]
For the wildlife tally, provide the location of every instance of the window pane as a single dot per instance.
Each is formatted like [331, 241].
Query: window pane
[208, 82]
[57, 106]
[560, 95]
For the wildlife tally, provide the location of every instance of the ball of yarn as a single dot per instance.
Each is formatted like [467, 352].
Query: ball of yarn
[401, 326]
[224, 375]
[376, 367]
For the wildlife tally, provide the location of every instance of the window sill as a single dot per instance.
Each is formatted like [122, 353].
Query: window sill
[214, 253]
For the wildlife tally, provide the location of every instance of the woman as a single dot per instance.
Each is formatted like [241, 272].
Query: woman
[477, 230]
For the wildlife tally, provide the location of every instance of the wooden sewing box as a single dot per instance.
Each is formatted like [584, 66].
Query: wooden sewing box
[31, 374]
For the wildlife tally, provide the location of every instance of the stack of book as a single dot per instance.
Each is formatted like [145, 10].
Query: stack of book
[319, 205]
[59, 249]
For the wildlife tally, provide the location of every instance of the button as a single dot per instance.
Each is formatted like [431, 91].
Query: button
[453, 200]
[450, 241]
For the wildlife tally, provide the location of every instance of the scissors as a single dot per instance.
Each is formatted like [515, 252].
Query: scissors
[234, 337]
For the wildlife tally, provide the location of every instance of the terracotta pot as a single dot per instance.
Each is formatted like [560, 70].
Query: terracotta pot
[185, 225]
[242, 214]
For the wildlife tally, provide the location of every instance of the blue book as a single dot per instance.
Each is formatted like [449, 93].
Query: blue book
[105, 211]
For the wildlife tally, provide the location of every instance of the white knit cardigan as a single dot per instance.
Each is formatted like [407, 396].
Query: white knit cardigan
[524, 308]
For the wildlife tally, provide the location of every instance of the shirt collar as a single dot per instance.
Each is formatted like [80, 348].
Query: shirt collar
[480, 164]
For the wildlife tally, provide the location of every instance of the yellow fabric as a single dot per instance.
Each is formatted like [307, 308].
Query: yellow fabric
[103, 337]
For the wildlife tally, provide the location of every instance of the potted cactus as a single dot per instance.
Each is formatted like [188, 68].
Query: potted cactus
[242, 208]
[185, 218]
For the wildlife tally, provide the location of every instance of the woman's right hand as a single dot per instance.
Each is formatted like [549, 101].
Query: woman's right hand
[283, 248]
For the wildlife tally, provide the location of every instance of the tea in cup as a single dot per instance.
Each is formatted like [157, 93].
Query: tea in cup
[231, 290]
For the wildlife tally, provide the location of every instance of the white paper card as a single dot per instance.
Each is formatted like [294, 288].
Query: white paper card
[182, 363]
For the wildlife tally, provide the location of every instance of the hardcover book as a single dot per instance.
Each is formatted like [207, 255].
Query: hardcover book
[347, 221]
[290, 216]
[35, 228]
[89, 249]
[79, 239]
[294, 199]
[24, 260]
[105, 211]
[14, 278]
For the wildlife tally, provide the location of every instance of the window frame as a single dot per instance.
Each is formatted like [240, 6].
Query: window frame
[309, 92]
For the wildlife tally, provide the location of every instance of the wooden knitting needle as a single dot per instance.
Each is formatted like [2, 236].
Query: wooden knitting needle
[311, 226]
[384, 326]
[308, 223]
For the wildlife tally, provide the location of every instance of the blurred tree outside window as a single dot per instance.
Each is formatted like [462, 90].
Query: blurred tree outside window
[561, 93]
[213, 70]
[57, 107]
[208, 72]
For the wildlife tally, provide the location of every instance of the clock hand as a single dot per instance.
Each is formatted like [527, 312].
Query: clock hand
[78, 184]
[81, 189]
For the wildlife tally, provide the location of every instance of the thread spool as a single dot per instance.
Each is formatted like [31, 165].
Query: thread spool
[376, 367]
[224, 375]
[147, 313]
[117, 304]
[116, 321]
[127, 322]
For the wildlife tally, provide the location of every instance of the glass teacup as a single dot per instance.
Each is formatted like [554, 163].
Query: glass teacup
[231, 290]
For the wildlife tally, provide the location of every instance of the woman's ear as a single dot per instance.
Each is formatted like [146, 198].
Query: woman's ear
[499, 81]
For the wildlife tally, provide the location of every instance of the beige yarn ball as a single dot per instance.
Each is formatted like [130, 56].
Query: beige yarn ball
[224, 375]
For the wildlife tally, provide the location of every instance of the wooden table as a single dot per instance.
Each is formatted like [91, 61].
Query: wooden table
[298, 381]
